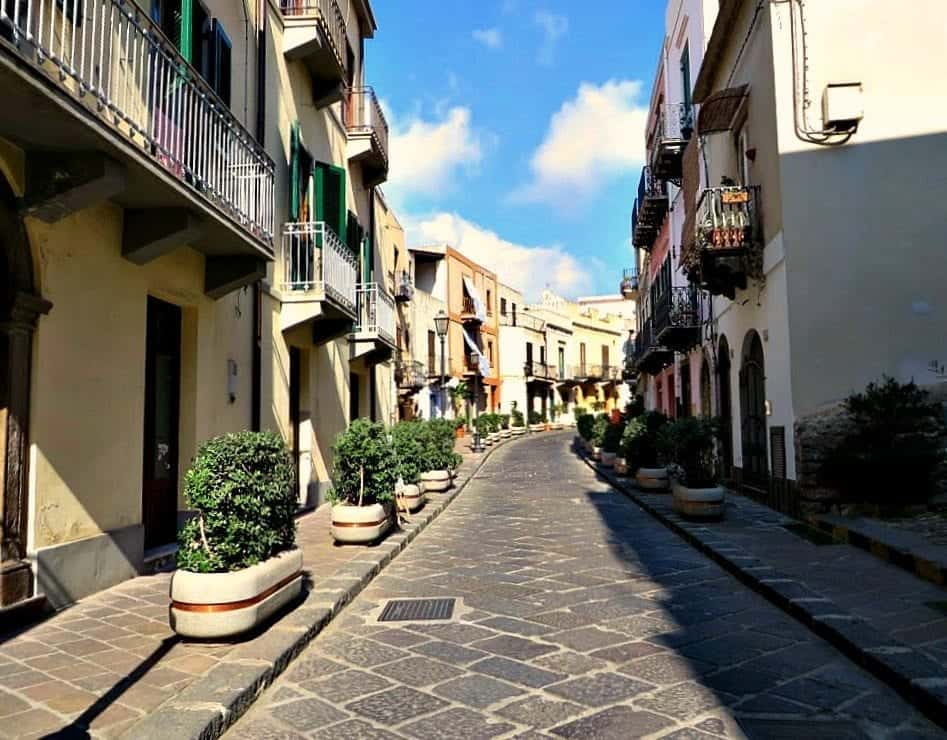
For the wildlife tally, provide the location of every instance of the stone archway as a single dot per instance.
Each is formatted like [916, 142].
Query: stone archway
[19, 308]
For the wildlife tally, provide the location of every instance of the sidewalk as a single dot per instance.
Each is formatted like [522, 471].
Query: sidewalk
[101, 666]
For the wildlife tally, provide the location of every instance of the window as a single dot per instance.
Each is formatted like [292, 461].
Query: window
[743, 164]
[431, 354]
[562, 362]
[201, 40]
[329, 184]
[529, 353]
[686, 83]
[542, 355]
[604, 356]
[490, 353]
[582, 357]
[503, 307]
[489, 304]
[514, 314]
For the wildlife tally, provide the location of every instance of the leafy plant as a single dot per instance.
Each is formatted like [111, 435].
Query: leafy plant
[895, 447]
[241, 488]
[598, 405]
[504, 421]
[599, 429]
[516, 418]
[689, 444]
[437, 440]
[535, 417]
[635, 407]
[639, 442]
[365, 467]
[407, 439]
[611, 441]
[584, 424]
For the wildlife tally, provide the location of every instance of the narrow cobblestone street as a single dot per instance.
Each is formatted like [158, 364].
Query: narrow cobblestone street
[578, 616]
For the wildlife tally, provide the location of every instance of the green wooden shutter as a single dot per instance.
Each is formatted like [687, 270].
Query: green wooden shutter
[294, 171]
[330, 199]
[186, 30]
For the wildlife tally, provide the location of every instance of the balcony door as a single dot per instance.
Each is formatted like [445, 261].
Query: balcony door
[162, 412]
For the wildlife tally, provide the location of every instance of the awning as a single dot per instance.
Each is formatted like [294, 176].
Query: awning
[718, 111]
[475, 297]
[482, 362]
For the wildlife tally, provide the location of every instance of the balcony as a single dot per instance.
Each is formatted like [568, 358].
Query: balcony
[677, 319]
[367, 134]
[410, 375]
[104, 107]
[728, 240]
[314, 32]
[650, 208]
[523, 321]
[674, 129]
[374, 335]
[471, 312]
[404, 291]
[629, 284]
[540, 372]
[650, 356]
[319, 278]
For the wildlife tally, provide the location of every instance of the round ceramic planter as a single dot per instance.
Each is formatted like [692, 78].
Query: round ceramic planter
[359, 524]
[699, 503]
[506, 433]
[519, 431]
[537, 427]
[411, 498]
[223, 605]
[621, 466]
[652, 479]
[558, 426]
[608, 459]
[436, 481]
[596, 453]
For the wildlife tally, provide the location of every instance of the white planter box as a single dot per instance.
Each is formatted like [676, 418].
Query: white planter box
[411, 498]
[652, 479]
[519, 431]
[506, 433]
[537, 427]
[437, 481]
[358, 525]
[621, 466]
[699, 503]
[224, 605]
[596, 453]
[608, 459]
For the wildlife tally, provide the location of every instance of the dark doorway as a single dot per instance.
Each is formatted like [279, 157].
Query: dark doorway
[162, 413]
[726, 405]
[295, 390]
[354, 397]
[684, 408]
[753, 411]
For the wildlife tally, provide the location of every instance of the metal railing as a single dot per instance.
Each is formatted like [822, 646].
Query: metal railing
[363, 115]
[410, 374]
[113, 56]
[314, 258]
[523, 320]
[333, 24]
[675, 123]
[404, 289]
[468, 306]
[728, 217]
[541, 370]
[678, 308]
[629, 281]
[650, 186]
[644, 341]
[376, 311]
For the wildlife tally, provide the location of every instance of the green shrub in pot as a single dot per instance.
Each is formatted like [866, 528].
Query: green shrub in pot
[437, 439]
[688, 445]
[611, 440]
[584, 424]
[407, 439]
[241, 488]
[365, 467]
[639, 443]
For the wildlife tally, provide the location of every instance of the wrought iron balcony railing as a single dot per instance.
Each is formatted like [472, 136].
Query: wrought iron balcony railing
[410, 374]
[677, 318]
[675, 124]
[363, 115]
[541, 371]
[331, 20]
[650, 355]
[728, 218]
[629, 282]
[375, 312]
[315, 259]
[523, 320]
[112, 56]
[649, 210]
[404, 289]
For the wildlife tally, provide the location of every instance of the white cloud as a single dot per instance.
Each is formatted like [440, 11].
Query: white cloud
[492, 38]
[554, 27]
[526, 268]
[591, 139]
[425, 155]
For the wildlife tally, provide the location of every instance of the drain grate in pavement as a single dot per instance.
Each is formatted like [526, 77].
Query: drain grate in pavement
[786, 729]
[812, 534]
[409, 610]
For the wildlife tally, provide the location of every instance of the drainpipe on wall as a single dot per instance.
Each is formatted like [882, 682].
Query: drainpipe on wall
[256, 383]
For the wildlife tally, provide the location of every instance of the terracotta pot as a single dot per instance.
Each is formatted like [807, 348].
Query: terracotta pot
[608, 459]
[411, 498]
[652, 479]
[241, 600]
[460, 432]
[699, 503]
[436, 481]
[359, 524]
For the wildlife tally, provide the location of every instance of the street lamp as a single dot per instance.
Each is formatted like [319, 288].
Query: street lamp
[527, 370]
[441, 323]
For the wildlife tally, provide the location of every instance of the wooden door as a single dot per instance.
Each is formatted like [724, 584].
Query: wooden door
[753, 414]
[162, 414]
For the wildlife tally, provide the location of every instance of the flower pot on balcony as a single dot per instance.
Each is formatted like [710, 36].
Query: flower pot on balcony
[436, 481]
[652, 479]
[359, 525]
[411, 498]
[224, 605]
[608, 459]
[699, 503]
[621, 466]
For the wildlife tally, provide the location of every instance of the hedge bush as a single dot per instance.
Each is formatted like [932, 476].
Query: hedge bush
[599, 428]
[689, 445]
[437, 440]
[241, 487]
[516, 418]
[639, 443]
[408, 441]
[611, 441]
[365, 468]
[584, 424]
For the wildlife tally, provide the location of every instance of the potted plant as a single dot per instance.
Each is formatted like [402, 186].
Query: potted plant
[639, 447]
[458, 394]
[557, 410]
[364, 474]
[505, 431]
[611, 442]
[517, 422]
[237, 560]
[599, 428]
[584, 424]
[536, 421]
[439, 458]
[460, 428]
[690, 443]
[409, 451]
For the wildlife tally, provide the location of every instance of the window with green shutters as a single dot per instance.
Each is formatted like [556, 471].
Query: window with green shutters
[330, 198]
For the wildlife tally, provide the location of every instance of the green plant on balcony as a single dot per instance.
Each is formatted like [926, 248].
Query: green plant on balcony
[536, 418]
[504, 421]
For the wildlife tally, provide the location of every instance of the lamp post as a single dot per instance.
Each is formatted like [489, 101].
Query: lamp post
[477, 445]
[527, 369]
[441, 323]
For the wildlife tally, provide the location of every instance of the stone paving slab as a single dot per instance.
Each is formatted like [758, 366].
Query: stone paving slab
[698, 653]
[877, 614]
[110, 665]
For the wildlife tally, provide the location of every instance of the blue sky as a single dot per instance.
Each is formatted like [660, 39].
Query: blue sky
[517, 130]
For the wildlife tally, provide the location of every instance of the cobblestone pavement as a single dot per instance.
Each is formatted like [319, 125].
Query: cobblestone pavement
[578, 616]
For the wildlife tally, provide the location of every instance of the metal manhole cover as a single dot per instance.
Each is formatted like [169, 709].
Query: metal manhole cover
[783, 729]
[409, 610]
